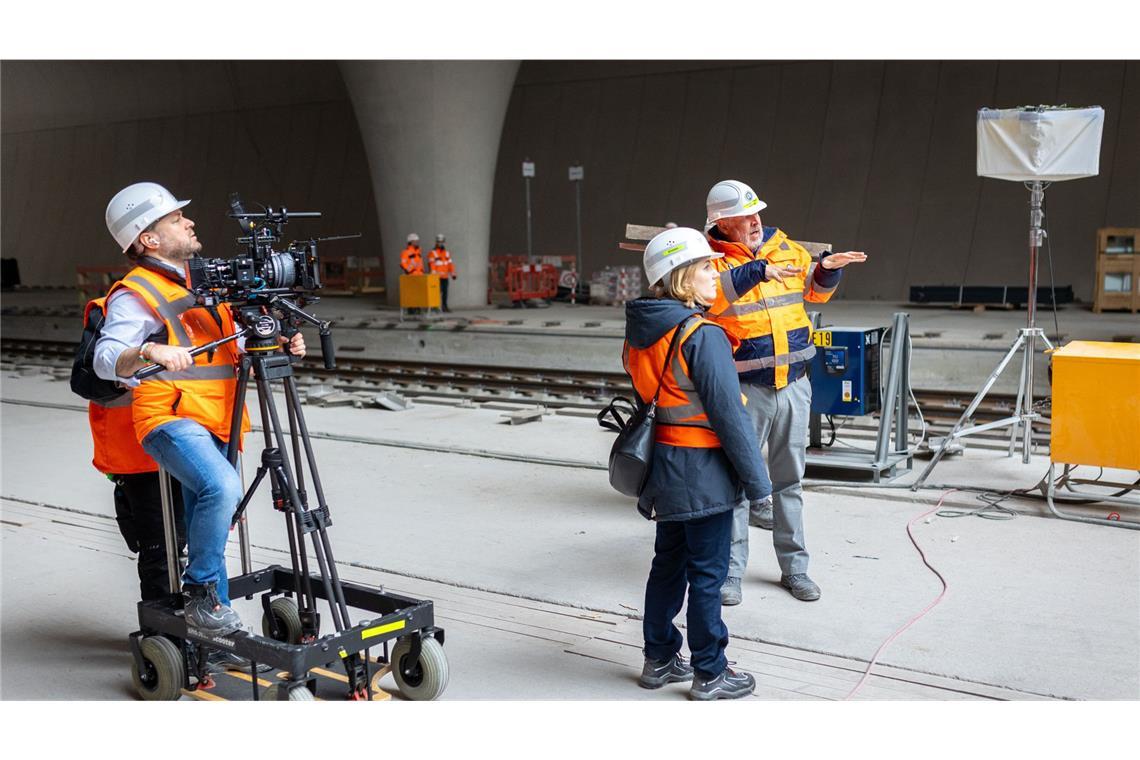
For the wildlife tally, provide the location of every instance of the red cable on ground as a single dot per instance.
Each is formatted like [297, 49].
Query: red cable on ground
[929, 607]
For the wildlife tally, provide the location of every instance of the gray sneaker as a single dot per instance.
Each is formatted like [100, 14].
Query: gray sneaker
[730, 593]
[657, 673]
[204, 610]
[728, 685]
[760, 514]
[801, 586]
[219, 660]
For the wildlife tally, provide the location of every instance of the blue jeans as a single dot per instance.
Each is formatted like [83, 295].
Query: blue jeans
[211, 491]
[693, 553]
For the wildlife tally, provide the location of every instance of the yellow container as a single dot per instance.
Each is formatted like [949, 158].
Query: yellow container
[1096, 404]
[419, 291]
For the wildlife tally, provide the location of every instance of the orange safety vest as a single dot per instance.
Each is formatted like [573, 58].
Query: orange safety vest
[767, 313]
[411, 260]
[205, 392]
[439, 261]
[117, 451]
[681, 418]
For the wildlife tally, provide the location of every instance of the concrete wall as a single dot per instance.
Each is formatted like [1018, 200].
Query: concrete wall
[280, 133]
[867, 155]
[431, 130]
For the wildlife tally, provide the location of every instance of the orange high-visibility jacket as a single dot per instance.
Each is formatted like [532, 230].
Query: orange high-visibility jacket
[117, 451]
[439, 262]
[769, 317]
[681, 418]
[411, 261]
[204, 392]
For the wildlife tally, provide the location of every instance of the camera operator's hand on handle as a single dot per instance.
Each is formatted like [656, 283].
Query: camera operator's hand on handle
[295, 346]
[173, 358]
[151, 354]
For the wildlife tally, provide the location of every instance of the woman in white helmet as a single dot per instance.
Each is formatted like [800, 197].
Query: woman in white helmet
[706, 460]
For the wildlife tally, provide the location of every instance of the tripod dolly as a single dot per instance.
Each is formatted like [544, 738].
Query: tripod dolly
[167, 651]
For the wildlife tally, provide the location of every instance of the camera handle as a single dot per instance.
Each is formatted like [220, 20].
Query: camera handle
[324, 328]
[208, 348]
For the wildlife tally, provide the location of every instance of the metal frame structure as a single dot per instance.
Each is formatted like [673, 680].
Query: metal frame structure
[391, 615]
[1051, 485]
[893, 417]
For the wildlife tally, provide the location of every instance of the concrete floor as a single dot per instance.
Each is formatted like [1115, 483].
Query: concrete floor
[538, 568]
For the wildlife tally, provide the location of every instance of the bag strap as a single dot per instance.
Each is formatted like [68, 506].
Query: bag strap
[669, 354]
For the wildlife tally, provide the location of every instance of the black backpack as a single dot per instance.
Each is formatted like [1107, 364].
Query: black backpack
[84, 381]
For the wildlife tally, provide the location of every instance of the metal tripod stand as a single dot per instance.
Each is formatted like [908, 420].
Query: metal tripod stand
[1025, 343]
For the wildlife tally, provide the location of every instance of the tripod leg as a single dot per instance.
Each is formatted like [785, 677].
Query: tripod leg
[1017, 408]
[293, 401]
[969, 411]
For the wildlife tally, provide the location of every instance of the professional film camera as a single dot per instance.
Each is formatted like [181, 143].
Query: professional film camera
[262, 270]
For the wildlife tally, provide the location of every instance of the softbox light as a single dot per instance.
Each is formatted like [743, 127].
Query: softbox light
[1049, 144]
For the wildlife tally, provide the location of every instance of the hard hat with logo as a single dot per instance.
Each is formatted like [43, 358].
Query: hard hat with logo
[731, 198]
[675, 248]
[413, 238]
[136, 207]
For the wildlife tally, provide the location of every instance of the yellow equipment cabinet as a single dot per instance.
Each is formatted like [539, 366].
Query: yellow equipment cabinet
[1096, 405]
[419, 291]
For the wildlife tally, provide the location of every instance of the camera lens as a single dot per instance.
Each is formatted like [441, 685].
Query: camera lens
[280, 271]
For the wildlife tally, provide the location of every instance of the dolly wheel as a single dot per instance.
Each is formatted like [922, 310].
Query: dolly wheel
[288, 619]
[165, 671]
[428, 677]
[296, 694]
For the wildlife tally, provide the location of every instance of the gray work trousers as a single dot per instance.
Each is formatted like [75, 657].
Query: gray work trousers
[781, 419]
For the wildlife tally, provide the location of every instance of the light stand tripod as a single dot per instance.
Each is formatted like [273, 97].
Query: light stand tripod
[1025, 343]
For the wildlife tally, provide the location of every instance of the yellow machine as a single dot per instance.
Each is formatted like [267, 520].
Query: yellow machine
[1096, 404]
[419, 291]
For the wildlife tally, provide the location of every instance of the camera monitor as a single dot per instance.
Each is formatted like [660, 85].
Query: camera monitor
[1042, 143]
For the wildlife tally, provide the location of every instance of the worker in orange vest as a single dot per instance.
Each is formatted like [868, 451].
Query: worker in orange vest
[440, 263]
[765, 278]
[181, 415]
[706, 459]
[411, 260]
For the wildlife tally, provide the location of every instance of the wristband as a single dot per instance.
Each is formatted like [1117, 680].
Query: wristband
[142, 351]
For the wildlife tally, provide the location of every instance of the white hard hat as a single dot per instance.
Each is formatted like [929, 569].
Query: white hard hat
[675, 248]
[413, 238]
[440, 238]
[136, 207]
[731, 198]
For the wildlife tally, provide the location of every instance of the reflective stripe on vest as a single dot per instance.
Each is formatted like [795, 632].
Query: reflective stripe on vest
[678, 424]
[780, 360]
[204, 392]
[771, 308]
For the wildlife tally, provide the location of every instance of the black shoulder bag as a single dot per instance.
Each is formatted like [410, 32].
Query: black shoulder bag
[632, 452]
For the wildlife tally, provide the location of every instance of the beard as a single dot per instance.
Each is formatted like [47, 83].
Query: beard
[185, 251]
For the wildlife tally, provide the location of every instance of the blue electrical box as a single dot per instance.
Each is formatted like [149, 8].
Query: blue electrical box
[845, 371]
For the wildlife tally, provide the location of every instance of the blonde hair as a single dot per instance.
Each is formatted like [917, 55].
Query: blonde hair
[678, 284]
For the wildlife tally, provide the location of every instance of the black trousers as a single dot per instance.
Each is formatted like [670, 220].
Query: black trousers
[443, 283]
[138, 511]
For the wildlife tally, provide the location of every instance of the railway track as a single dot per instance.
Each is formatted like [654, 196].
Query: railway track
[585, 392]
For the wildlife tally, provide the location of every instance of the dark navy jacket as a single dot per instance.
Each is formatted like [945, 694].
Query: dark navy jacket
[686, 483]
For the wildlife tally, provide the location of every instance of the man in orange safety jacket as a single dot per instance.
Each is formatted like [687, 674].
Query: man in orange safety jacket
[765, 280]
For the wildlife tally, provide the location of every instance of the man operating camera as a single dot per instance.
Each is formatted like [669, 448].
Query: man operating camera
[182, 415]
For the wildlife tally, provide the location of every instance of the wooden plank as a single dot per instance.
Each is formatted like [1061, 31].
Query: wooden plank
[642, 231]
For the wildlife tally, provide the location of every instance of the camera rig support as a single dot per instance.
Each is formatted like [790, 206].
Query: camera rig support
[169, 655]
